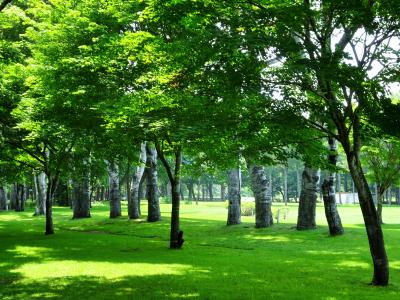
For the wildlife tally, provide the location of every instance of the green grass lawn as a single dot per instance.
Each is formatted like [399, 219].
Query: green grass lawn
[99, 258]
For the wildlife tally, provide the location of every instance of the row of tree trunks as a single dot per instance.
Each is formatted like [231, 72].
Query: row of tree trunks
[262, 194]
[234, 198]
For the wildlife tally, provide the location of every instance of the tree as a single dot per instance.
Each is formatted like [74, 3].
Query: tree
[340, 93]
[381, 157]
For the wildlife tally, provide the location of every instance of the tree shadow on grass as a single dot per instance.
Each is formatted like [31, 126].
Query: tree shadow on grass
[107, 259]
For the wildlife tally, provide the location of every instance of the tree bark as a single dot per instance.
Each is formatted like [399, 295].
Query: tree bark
[262, 194]
[52, 182]
[372, 225]
[223, 188]
[81, 196]
[115, 199]
[40, 185]
[328, 191]
[3, 198]
[19, 199]
[153, 209]
[210, 190]
[133, 206]
[285, 185]
[339, 187]
[234, 186]
[176, 235]
[308, 199]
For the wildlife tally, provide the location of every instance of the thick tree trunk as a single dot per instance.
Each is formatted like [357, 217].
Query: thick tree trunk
[3, 198]
[262, 194]
[190, 188]
[234, 186]
[372, 225]
[328, 192]
[115, 199]
[40, 185]
[153, 209]
[134, 205]
[81, 197]
[308, 199]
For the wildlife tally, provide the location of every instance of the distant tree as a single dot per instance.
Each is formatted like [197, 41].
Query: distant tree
[382, 160]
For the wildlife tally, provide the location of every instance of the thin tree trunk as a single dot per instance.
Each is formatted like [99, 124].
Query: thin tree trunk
[223, 188]
[262, 194]
[308, 199]
[372, 225]
[3, 199]
[115, 199]
[234, 214]
[133, 206]
[210, 191]
[339, 188]
[14, 195]
[153, 211]
[176, 235]
[285, 185]
[298, 181]
[52, 182]
[328, 190]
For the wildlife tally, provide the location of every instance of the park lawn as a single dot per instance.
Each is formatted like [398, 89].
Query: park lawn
[99, 258]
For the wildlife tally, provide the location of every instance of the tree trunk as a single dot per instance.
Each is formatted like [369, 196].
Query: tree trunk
[372, 225]
[398, 196]
[20, 196]
[51, 187]
[210, 191]
[189, 186]
[153, 209]
[328, 192]
[176, 235]
[223, 188]
[40, 185]
[285, 185]
[339, 187]
[380, 191]
[81, 197]
[234, 182]
[262, 194]
[308, 198]
[115, 199]
[298, 182]
[14, 195]
[3, 199]
[133, 206]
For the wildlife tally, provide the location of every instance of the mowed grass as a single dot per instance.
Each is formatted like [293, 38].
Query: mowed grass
[99, 258]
